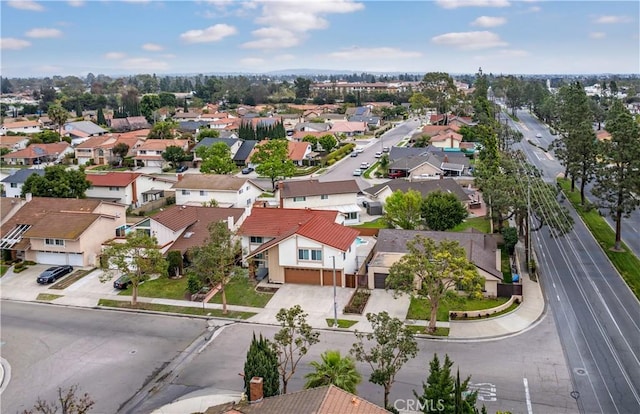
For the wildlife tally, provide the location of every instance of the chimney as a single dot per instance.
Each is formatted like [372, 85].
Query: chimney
[256, 393]
[180, 176]
[28, 197]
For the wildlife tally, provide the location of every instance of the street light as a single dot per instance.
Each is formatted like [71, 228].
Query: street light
[335, 304]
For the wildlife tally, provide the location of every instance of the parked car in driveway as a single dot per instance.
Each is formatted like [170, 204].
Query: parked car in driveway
[247, 170]
[378, 154]
[357, 173]
[182, 169]
[53, 273]
[122, 282]
[364, 165]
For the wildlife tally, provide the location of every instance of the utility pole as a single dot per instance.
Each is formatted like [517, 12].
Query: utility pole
[335, 304]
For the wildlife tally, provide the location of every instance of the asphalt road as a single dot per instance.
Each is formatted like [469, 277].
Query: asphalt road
[108, 354]
[597, 315]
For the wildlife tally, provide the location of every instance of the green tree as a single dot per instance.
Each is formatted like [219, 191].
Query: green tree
[403, 209]
[431, 270]
[174, 263]
[174, 155]
[138, 258]
[439, 89]
[45, 137]
[334, 369]
[120, 150]
[215, 260]
[67, 401]
[216, 159]
[441, 389]
[393, 345]
[302, 87]
[168, 100]
[273, 160]
[207, 133]
[328, 142]
[148, 105]
[101, 119]
[262, 361]
[58, 115]
[418, 102]
[510, 236]
[292, 341]
[618, 180]
[58, 182]
[442, 211]
[163, 130]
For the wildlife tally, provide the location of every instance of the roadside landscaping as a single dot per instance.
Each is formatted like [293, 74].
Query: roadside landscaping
[71, 279]
[625, 261]
[3, 269]
[241, 291]
[479, 223]
[419, 309]
[342, 323]
[47, 297]
[422, 330]
[370, 170]
[162, 287]
[175, 309]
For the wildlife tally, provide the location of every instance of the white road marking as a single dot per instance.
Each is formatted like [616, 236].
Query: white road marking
[528, 397]
[558, 296]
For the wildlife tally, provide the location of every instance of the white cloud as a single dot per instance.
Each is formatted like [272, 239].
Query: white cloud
[115, 55]
[210, 34]
[144, 63]
[152, 47]
[613, 19]
[76, 3]
[597, 35]
[11, 43]
[297, 18]
[358, 53]
[534, 9]
[488, 21]
[454, 4]
[469, 40]
[285, 56]
[251, 61]
[25, 5]
[43, 33]
[272, 38]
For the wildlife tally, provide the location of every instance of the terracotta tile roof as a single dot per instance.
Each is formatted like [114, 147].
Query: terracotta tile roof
[296, 149]
[328, 232]
[94, 142]
[432, 130]
[299, 135]
[141, 133]
[8, 141]
[603, 135]
[272, 222]
[21, 124]
[67, 226]
[301, 188]
[112, 179]
[218, 182]
[162, 144]
[347, 126]
[39, 150]
[77, 133]
[446, 136]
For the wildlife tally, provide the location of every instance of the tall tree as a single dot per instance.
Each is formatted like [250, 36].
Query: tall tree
[120, 150]
[440, 90]
[273, 160]
[302, 87]
[431, 270]
[57, 181]
[292, 341]
[148, 105]
[618, 180]
[138, 258]
[215, 260]
[163, 130]
[101, 119]
[442, 211]
[216, 159]
[207, 133]
[59, 116]
[403, 209]
[262, 362]
[393, 345]
[327, 142]
[174, 155]
[334, 369]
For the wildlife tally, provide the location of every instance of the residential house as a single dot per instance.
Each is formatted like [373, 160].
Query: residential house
[192, 127]
[603, 135]
[297, 151]
[340, 196]
[359, 111]
[289, 121]
[380, 192]
[14, 142]
[183, 227]
[13, 183]
[300, 245]
[39, 154]
[328, 399]
[226, 190]
[149, 154]
[331, 117]
[80, 131]
[300, 135]
[241, 156]
[372, 122]
[313, 127]
[131, 123]
[481, 250]
[446, 139]
[128, 188]
[9, 207]
[60, 231]
[186, 116]
[26, 127]
[99, 150]
[429, 165]
[349, 128]
[233, 144]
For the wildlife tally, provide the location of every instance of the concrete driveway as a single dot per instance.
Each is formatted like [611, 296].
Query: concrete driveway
[23, 285]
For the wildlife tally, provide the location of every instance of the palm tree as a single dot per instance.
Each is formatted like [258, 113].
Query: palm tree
[59, 116]
[336, 370]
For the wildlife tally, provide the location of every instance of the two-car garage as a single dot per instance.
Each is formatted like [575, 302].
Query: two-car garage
[60, 258]
[311, 276]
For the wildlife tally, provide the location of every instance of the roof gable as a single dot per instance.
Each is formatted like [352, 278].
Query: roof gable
[216, 182]
[301, 188]
[273, 222]
[21, 175]
[112, 179]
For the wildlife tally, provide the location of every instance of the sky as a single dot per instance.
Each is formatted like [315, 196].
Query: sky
[46, 38]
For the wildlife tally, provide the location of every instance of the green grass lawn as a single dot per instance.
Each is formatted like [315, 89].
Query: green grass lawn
[342, 323]
[479, 223]
[416, 329]
[378, 223]
[241, 291]
[505, 263]
[175, 309]
[47, 297]
[163, 287]
[3, 269]
[370, 170]
[419, 307]
[626, 262]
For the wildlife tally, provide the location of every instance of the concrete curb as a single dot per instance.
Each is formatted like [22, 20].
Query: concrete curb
[5, 374]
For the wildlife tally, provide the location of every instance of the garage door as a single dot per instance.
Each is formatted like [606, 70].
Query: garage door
[73, 259]
[379, 280]
[302, 276]
[327, 277]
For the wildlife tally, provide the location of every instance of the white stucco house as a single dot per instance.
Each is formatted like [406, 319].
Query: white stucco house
[226, 190]
[14, 182]
[129, 188]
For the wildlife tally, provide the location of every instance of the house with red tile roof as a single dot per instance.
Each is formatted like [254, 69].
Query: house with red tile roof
[297, 151]
[446, 139]
[27, 127]
[150, 152]
[39, 154]
[300, 245]
[14, 142]
[98, 150]
[349, 128]
[128, 188]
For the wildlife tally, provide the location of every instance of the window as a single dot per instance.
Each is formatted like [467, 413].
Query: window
[186, 192]
[324, 197]
[203, 193]
[54, 242]
[14, 185]
[307, 254]
[299, 198]
[113, 188]
[143, 152]
[352, 216]
[256, 239]
[240, 192]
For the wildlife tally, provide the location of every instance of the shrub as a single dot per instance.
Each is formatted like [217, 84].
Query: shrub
[29, 263]
[19, 266]
[193, 284]
[174, 263]
[19, 269]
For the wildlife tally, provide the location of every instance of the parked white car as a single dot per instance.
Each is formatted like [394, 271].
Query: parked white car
[378, 154]
[364, 165]
[357, 173]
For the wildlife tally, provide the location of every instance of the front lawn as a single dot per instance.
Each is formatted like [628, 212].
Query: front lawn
[378, 223]
[342, 323]
[417, 329]
[505, 263]
[175, 309]
[162, 287]
[419, 308]
[479, 223]
[3, 269]
[241, 291]
[625, 261]
[47, 297]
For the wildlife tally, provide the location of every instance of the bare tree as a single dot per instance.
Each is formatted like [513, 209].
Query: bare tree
[68, 402]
